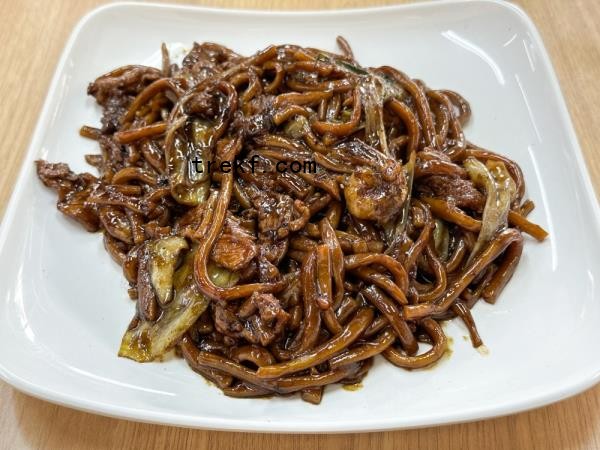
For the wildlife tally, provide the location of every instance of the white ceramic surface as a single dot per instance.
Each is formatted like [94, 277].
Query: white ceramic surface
[64, 304]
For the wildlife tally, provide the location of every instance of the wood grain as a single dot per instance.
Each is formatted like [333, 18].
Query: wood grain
[33, 32]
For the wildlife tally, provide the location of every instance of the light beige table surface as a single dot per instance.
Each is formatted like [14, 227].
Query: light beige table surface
[32, 35]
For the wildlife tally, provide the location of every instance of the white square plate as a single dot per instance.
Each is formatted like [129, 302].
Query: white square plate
[64, 304]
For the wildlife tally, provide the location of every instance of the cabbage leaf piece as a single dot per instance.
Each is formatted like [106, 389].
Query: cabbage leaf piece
[147, 341]
[162, 260]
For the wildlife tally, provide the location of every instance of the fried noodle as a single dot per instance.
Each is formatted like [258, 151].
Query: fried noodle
[271, 282]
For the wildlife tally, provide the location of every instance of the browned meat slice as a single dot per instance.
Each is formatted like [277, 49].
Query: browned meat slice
[208, 54]
[259, 320]
[205, 60]
[226, 321]
[265, 317]
[235, 248]
[74, 205]
[274, 215]
[204, 104]
[56, 175]
[73, 192]
[115, 90]
[233, 252]
[267, 272]
[128, 80]
[258, 118]
[458, 191]
[357, 152]
[113, 109]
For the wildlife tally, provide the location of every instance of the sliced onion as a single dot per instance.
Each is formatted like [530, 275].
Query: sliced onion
[497, 204]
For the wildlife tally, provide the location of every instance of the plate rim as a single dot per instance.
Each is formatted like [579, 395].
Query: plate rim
[576, 384]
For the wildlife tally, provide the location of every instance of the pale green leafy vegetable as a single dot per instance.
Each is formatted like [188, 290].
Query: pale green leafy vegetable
[162, 258]
[150, 340]
[297, 127]
[188, 165]
[441, 239]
